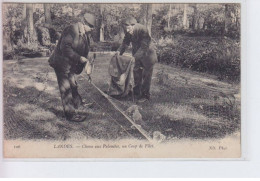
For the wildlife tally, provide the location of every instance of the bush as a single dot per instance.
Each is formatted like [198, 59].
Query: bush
[219, 56]
[9, 55]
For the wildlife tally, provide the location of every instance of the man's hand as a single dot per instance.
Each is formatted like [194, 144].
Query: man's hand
[117, 53]
[89, 69]
[83, 60]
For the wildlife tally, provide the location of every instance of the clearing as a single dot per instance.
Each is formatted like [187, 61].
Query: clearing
[183, 104]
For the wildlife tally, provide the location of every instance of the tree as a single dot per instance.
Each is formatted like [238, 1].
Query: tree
[30, 34]
[146, 16]
[44, 25]
[226, 19]
[195, 17]
[101, 30]
[231, 20]
[185, 20]
[24, 12]
[169, 16]
[47, 13]
[149, 17]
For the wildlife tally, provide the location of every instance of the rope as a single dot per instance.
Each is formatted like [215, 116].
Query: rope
[111, 117]
[142, 131]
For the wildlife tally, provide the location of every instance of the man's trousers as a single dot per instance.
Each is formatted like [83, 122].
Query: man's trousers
[143, 70]
[70, 97]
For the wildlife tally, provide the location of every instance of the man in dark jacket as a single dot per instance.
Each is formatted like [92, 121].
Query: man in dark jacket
[144, 54]
[69, 58]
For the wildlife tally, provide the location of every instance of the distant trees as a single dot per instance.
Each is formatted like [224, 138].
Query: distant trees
[204, 19]
[35, 28]
[25, 24]
[231, 19]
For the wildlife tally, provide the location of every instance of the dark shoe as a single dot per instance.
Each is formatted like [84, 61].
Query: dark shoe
[77, 118]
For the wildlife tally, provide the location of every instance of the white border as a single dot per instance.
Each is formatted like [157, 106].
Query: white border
[177, 168]
[143, 159]
[127, 2]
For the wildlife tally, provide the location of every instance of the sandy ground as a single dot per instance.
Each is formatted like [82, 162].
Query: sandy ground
[184, 105]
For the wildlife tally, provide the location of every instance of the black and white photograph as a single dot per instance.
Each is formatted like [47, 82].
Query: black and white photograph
[118, 80]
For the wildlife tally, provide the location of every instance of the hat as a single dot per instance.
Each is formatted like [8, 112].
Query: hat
[90, 19]
[129, 21]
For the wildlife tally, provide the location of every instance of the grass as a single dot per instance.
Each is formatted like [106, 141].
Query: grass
[184, 104]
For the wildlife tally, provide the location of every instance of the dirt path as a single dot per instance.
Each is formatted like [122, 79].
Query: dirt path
[184, 105]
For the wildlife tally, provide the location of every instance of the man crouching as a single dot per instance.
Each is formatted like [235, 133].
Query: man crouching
[69, 58]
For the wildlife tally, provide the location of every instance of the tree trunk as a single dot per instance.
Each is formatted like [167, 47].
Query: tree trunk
[101, 30]
[195, 19]
[169, 16]
[147, 16]
[30, 33]
[226, 20]
[29, 18]
[24, 23]
[237, 15]
[185, 20]
[47, 13]
[24, 11]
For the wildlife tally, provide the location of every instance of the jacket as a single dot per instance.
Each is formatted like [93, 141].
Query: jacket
[142, 46]
[73, 44]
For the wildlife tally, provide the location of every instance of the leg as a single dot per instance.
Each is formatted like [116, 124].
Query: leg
[66, 93]
[148, 62]
[147, 78]
[77, 100]
[138, 70]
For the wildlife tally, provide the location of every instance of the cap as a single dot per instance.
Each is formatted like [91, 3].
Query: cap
[129, 21]
[90, 19]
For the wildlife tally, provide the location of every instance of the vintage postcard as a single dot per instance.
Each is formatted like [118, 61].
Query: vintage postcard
[121, 81]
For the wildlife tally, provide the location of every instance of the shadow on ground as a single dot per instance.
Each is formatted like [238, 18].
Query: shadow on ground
[183, 105]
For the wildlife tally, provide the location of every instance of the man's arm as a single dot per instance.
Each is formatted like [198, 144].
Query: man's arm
[125, 44]
[145, 39]
[67, 50]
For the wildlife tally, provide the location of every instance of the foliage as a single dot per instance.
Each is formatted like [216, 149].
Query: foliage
[113, 15]
[212, 20]
[12, 24]
[220, 56]
[62, 16]
[209, 44]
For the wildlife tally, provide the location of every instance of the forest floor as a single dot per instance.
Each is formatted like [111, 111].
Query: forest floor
[184, 104]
